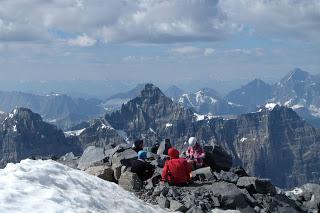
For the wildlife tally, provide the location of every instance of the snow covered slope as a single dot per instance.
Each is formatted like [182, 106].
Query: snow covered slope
[47, 186]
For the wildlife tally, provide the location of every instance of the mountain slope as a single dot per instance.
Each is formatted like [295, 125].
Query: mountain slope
[254, 93]
[23, 134]
[174, 92]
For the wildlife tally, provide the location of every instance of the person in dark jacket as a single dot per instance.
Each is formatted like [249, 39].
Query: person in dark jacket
[155, 147]
[176, 171]
[138, 145]
[143, 169]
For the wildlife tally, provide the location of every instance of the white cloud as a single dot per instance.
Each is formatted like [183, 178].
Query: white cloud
[145, 21]
[185, 50]
[279, 19]
[157, 21]
[209, 51]
[82, 41]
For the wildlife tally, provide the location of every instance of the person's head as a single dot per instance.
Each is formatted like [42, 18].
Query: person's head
[192, 141]
[167, 141]
[138, 143]
[173, 153]
[142, 155]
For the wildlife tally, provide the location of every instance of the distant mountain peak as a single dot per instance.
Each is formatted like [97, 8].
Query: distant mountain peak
[296, 75]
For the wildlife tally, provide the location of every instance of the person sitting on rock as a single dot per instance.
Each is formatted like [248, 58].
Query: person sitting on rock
[138, 145]
[195, 153]
[143, 169]
[176, 171]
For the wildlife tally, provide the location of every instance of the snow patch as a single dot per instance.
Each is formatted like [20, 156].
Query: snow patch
[123, 135]
[28, 185]
[15, 128]
[2, 112]
[168, 125]
[243, 139]
[74, 133]
[152, 130]
[270, 106]
[297, 106]
[203, 117]
[314, 111]
[295, 191]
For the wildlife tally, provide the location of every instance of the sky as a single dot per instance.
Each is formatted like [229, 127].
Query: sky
[157, 40]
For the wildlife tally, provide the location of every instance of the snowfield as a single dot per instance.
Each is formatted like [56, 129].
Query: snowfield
[47, 186]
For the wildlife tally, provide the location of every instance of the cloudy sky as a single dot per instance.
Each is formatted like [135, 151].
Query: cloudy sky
[158, 40]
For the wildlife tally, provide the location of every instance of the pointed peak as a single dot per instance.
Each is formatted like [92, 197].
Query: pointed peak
[150, 91]
[296, 75]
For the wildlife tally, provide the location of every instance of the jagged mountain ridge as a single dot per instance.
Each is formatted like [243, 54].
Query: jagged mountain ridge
[24, 134]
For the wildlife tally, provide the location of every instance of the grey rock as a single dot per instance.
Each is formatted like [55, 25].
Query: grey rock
[177, 206]
[226, 176]
[229, 195]
[195, 209]
[104, 172]
[130, 181]
[92, 156]
[121, 159]
[203, 174]
[249, 198]
[217, 158]
[256, 185]
[163, 202]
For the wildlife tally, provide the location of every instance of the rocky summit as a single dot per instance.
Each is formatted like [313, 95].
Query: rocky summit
[227, 188]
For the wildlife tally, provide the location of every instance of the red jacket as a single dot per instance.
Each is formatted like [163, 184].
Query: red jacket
[176, 171]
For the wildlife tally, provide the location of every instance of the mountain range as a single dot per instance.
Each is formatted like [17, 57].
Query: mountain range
[298, 90]
[61, 110]
[272, 141]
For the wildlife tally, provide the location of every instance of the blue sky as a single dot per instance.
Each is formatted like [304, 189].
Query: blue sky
[158, 40]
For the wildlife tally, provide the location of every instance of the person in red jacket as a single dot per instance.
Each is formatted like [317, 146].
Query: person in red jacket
[176, 171]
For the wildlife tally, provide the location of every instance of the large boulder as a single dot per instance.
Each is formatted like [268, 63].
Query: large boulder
[130, 181]
[256, 185]
[203, 174]
[92, 156]
[217, 158]
[104, 172]
[122, 159]
[229, 195]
